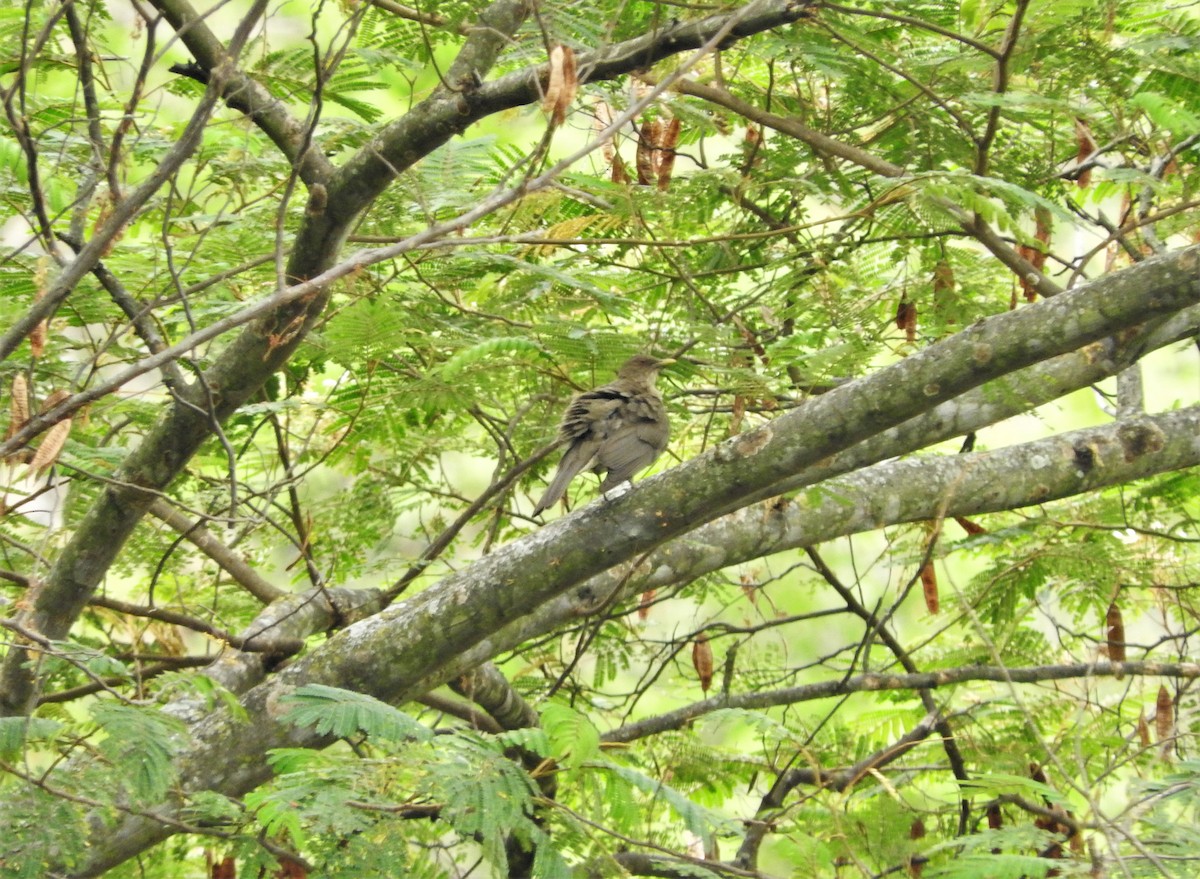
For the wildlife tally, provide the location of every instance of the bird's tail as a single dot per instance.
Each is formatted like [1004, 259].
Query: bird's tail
[575, 459]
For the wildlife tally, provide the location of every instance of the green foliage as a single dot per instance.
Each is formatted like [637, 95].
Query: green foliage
[17, 733]
[695, 818]
[138, 744]
[573, 739]
[338, 712]
[398, 436]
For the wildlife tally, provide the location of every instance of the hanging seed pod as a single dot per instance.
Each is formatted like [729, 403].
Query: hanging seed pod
[929, 586]
[1143, 730]
[47, 453]
[561, 86]
[970, 527]
[702, 661]
[665, 152]
[1116, 633]
[1164, 715]
[645, 603]
[18, 405]
[647, 172]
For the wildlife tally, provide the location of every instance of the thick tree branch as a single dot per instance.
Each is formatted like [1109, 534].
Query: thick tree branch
[243, 93]
[413, 646]
[906, 491]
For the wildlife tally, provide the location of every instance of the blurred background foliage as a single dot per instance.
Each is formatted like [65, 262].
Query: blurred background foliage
[769, 270]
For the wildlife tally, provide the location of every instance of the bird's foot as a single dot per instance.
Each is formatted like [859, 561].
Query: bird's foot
[617, 490]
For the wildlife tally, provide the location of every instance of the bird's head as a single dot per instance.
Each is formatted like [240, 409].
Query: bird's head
[642, 368]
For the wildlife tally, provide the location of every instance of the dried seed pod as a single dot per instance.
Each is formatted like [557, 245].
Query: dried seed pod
[906, 319]
[737, 414]
[561, 86]
[702, 661]
[994, 817]
[1037, 255]
[37, 336]
[619, 174]
[665, 152]
[1164, 715]
[929, 586]
[995, 821]
[647, 171]
[37, 340]
[1116, 633]
[18, 405]
[1143, 730]
[47, 453]
[970, 527]
[645, 603]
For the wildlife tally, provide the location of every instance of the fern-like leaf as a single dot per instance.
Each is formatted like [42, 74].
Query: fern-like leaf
[333, 711]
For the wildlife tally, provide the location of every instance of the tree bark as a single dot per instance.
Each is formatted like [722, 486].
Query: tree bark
[403, 651]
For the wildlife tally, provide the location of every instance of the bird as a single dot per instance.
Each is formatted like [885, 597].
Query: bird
[619, 429]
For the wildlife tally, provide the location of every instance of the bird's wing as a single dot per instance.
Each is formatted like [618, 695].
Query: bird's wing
[590, 414]
[637, 435]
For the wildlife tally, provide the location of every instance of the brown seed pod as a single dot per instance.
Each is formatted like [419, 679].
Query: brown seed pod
[929, 586]
[48, 452]
[702, 661]
[970, 527]
[994, 817]
[906, 319]
[647, 170]
[561, 86]
[1143, 730]
[18, 405]
[619, 174]
[1164, 715]
[645, 603]
[665, 152]
[1116, 633]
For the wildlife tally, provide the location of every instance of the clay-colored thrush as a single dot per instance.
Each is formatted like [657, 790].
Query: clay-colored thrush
[618, 429]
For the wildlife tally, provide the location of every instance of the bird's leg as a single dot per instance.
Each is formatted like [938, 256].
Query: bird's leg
[617, 490]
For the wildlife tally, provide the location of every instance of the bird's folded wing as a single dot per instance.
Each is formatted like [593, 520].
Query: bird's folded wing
[591, 413]
[637, 433]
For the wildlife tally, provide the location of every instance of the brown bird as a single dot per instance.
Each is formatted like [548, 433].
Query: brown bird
[618, 429]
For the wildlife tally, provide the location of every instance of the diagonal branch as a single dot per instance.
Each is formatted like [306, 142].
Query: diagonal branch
[267, 344]
[406, 650]
[875, 683]
[243, 93]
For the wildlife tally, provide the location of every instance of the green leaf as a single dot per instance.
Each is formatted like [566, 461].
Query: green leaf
[573, 738]
[695, 818]
[342, 713]
[17, 732]
[139, 743]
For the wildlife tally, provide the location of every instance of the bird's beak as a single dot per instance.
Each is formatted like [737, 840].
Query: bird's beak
[666, 362]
